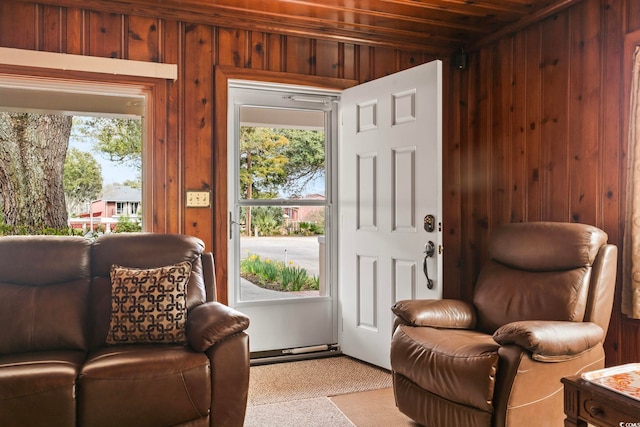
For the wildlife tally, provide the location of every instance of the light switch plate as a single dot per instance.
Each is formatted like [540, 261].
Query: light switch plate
[198, 199]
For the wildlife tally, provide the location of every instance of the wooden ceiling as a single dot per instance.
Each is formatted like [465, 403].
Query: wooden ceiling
[439, 27]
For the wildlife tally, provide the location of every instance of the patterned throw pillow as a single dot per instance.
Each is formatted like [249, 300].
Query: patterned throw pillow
[148, 305]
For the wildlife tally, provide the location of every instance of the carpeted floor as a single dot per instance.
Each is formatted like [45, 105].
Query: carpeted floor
[282, 382]
[336, 391]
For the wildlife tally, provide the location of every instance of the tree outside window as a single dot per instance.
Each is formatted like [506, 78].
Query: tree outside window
[46, 184]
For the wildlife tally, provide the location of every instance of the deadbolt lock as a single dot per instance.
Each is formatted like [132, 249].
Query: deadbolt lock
[429, 223]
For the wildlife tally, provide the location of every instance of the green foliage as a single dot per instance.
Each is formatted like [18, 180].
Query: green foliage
[293, 278]
[82, 178]
[133, 183]
[119, 139]
[266, 271]
[310, 228]
[306, 155]
[40, 162]
[267, 219]
[262, 162]
[272, 159]
[126, 225]
[23, 230]
[276, 275]
[314, 283]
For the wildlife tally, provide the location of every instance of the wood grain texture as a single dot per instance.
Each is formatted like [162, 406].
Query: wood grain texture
[142, 39]
[438, 27]
[548, 98]
[195, 155]
[19, 25]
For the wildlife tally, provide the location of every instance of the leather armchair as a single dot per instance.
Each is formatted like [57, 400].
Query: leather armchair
[540, 311]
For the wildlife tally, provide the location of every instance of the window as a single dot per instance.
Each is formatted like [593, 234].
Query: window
[89, 107]
[127, 208]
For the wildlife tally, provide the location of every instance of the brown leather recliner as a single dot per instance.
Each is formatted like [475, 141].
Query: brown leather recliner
[540, 311]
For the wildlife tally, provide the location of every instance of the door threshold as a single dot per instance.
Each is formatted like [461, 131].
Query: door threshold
[295, 354]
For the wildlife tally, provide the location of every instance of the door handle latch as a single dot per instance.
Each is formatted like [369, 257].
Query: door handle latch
[429, 252]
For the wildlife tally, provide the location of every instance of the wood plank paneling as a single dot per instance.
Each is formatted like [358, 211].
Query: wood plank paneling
[411, 59]
[532, 101]
[480, 165]
[105, 34]
[451, 194]
[437, 27]
[197, 152]
[166, 179]
[232, 50]
[74, 34]
[51, 37]
[555, 93]
[501, 137]
[143, 39]
[19, 25]
[276, 54]
[385, 62]
[613, 179]
[257, 58]
[633, 15]
[556, 117]
[584, 102]
[518, 128]
[348, 61]
[299, 57]
[364, 63]
[327, 58]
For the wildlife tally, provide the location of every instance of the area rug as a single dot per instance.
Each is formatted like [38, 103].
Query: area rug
[307, 379]
[316, 412]
[375, 408]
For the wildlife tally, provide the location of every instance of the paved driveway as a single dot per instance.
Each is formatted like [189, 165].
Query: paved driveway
[302, 251]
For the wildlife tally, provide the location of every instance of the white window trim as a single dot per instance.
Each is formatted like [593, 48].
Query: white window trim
[93, 64]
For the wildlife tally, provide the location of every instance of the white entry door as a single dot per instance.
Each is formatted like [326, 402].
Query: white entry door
[389, 195]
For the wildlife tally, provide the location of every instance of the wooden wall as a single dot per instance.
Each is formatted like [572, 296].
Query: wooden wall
[533, 126]
[541, 137]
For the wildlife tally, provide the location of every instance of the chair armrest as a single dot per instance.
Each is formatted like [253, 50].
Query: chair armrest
[211, 322]
[551, 341]
[441, 313]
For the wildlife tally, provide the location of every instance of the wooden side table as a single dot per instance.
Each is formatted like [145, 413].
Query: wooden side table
[585, 402]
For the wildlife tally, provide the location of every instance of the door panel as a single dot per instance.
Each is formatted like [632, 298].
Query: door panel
[366, 215]
[290, 324]
[389, 179]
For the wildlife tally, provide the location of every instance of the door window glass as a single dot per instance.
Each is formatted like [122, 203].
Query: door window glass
[282, 202]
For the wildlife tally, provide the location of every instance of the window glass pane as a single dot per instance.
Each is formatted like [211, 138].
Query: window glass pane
[116, 145]
[274, 266]
[282, 154]
[92, 167]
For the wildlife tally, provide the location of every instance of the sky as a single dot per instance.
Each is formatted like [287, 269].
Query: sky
[111, 172]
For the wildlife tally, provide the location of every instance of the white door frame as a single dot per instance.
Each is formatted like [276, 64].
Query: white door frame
[435, 264]
[292, 319]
